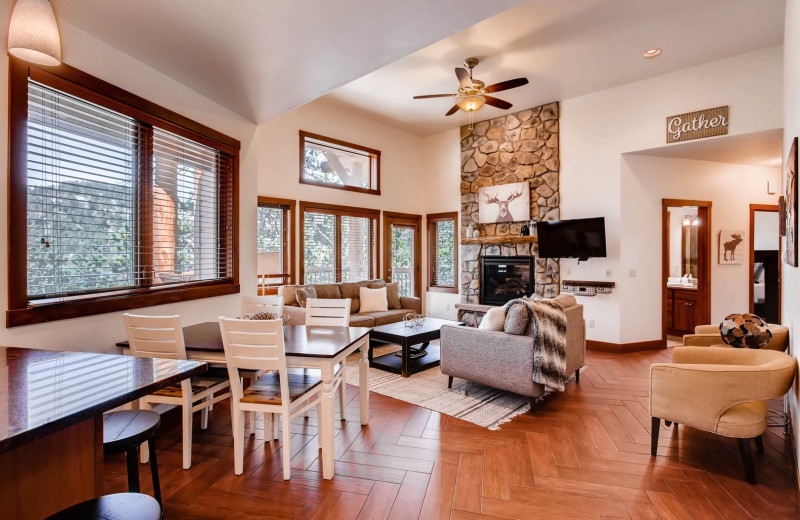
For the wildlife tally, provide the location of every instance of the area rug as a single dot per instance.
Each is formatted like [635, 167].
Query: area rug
[472, 402]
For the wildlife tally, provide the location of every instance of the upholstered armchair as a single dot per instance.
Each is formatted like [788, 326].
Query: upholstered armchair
[720, 390]
[707, 335]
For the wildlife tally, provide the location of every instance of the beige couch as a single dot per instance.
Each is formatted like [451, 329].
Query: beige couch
[505, 361]
[297, 314]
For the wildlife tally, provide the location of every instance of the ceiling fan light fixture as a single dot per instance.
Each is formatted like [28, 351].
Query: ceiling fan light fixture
[471, 103]
[33, 33]
[652, 53]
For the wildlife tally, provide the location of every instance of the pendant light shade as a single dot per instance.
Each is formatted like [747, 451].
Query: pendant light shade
[471, 103]
[33, 33]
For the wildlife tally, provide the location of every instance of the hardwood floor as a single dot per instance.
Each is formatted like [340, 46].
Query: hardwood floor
[584, 455]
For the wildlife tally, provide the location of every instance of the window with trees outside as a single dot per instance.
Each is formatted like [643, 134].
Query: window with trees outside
[339, 243]
[442, 252]
[119, 197]
[329, 162]
[275, 235]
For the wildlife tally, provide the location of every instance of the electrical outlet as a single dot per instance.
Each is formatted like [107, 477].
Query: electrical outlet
[590, 324]
[609, 273]
[568, 271]
[632, 273]
[447, 307]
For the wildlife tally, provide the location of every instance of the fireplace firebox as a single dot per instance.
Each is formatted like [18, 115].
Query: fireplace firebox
[503, 278]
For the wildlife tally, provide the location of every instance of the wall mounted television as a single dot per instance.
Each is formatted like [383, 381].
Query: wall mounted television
[581, 238]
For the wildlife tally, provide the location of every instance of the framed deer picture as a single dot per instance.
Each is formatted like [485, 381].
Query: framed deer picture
[731, 250]
[504, 203]
[791, 205]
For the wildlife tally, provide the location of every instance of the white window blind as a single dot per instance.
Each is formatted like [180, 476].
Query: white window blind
[81, 196]
[319, 249]
[115, 204]
[338, 247]
[356, 249]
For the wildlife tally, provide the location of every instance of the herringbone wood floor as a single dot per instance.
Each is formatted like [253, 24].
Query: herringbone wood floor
[584, 455]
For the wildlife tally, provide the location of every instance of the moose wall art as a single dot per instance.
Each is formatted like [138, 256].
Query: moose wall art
[504, 203]
[731, 250]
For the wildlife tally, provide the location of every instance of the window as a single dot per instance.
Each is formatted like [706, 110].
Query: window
[336, 164]
[339, 243]
[275, 239]
[442, 252]
[123, 204]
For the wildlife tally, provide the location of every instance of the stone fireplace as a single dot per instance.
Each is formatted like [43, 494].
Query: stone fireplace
[504, 278]
[518, 147]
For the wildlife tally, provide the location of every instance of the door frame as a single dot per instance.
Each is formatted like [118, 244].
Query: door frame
[751, 281]
[408, 220]
[703, 259]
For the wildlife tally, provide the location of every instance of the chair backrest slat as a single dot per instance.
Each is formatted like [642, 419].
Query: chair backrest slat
[155, 336]
[328, 312]
[253, 344]
[254, 304]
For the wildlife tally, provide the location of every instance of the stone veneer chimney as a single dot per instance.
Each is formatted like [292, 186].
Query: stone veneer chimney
[512, 148]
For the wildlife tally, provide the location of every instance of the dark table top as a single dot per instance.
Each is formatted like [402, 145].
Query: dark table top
[43, 391]
[299, 340]
[399, 328]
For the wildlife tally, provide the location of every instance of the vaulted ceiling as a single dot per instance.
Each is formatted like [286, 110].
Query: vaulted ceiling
[566, 49]
[262, 57]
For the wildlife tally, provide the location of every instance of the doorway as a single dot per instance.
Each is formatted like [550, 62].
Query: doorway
[686, 266]
[765, 265]
[402, 251]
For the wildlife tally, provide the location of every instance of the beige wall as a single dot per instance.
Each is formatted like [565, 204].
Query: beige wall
[99, 333]
[791, 275]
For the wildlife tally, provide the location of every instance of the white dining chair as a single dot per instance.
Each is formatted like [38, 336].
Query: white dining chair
[162, 337]
[331, 312]
[258, 345]
[254, 304]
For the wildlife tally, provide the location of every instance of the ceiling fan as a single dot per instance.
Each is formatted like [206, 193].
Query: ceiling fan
[472, 92]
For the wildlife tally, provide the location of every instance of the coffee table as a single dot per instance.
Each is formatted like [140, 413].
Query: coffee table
[409, 360]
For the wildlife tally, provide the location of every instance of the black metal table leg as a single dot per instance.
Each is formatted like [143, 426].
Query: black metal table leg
[132, 458]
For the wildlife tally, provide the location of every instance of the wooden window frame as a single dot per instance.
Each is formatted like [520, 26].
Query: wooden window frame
[375, 162]
[341, 211]
[432, 219]
[75, 82]
[403, 219]
[289, 256]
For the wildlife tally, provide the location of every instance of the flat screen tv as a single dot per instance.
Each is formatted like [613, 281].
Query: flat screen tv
[581, 238]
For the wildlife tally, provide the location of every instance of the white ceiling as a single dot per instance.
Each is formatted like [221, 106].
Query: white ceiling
[757, 149]
[566, 49]
[260, 58]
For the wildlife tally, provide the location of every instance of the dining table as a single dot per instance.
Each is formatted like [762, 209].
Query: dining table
[312, 347]
[51, 421]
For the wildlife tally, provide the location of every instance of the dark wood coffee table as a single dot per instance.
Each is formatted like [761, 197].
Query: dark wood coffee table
[409, 360]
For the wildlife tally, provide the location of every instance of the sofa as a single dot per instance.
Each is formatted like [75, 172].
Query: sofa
[297, 314]
[505, 361]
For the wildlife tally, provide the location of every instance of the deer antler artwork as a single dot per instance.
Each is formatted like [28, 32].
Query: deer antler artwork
[503, 214]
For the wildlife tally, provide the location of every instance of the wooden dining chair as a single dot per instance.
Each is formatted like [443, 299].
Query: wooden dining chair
[331, 312]
[254, 304]
[162, 337]
[258, 345]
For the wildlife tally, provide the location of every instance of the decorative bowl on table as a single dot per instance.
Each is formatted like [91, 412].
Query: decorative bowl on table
[413, 320]
[267, 316]
[745, 331]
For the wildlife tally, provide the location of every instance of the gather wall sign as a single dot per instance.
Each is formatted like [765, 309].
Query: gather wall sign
[697, 125]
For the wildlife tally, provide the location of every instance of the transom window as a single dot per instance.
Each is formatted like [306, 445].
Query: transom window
[325, 161]
[117, 202]
[442, 252]
[340, 244]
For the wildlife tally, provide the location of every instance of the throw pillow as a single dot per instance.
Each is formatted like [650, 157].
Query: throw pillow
[494, 319]
[517, 319]
[392, 293]
[303, 293]
[373, 300]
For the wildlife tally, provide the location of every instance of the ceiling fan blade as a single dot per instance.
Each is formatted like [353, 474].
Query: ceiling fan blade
[498, 103]
[434, 96]
[505, 85]
[452, 110]
[463, 77]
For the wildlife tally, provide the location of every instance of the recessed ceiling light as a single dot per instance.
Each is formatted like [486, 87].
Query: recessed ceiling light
[652, 53]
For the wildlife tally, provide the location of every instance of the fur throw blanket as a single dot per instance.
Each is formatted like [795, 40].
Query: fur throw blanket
[547, 325]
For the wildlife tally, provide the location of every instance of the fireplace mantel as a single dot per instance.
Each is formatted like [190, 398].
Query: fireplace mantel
[508, 239]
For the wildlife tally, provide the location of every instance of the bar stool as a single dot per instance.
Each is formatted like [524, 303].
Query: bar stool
[123, 432]
[134, 506]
